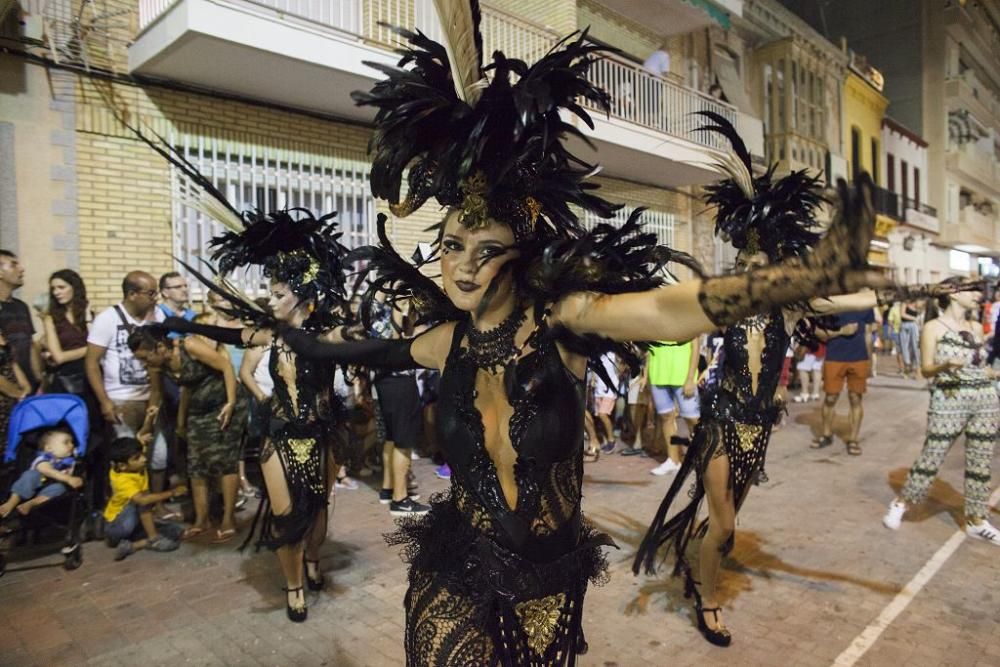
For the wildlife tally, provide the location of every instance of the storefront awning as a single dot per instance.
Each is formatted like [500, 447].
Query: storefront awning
[715, 11]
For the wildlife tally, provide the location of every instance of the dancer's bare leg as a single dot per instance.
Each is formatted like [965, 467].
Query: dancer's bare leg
[318, 532]
[289, 555]
[721, 524]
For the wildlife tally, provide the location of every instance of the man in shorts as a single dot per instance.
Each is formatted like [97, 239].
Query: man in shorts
[673, 371]
[848, 361]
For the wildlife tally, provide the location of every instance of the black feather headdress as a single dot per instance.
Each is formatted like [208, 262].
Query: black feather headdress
[292, 246]
[488, 140]
[761, 214]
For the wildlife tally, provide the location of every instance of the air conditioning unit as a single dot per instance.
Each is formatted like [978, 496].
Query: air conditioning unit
[836, 167]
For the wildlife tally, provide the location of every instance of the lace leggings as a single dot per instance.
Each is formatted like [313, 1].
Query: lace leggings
[975, 412]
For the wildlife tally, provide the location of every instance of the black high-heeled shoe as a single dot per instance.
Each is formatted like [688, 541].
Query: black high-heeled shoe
[581, 643]
[313, 584]
[296, 614]
[717, 637]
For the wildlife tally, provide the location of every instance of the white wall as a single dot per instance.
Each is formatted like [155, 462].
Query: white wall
[924, 263]
[902, 149]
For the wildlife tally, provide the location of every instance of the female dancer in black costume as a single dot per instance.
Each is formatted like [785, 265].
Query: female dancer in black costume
[768, 221]
[303, 258]
[500, 565]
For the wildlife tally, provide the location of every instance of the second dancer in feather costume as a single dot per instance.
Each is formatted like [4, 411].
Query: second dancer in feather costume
[769, 221]
[500, 565]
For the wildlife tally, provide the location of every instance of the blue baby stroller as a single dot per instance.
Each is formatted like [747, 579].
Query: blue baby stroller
[28, 419]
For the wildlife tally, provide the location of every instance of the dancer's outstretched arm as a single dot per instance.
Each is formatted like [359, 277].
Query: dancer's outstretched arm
[428, 350]
[683, 311]
[245, 337]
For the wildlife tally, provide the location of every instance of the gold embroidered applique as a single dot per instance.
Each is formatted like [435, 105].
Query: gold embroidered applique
[539, 619]
[748, 434]
[301, 448]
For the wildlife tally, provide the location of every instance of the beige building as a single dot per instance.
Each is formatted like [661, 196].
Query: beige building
[941, 62]
[256, 94]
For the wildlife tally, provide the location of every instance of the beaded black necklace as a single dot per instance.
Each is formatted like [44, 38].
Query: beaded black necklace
[493, 349]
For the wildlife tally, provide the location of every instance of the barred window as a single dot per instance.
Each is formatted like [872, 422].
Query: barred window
[268, 178]
[659, 222]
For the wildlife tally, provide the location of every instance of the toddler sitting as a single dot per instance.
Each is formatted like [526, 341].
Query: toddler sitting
[49, 475]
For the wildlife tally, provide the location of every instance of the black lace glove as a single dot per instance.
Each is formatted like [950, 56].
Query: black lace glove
[896, 293]
[838, 265]
[388, 355]
[220, 334]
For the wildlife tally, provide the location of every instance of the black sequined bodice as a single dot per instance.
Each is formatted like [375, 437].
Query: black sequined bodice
[735, 397]
[315, 400]
[546, 432]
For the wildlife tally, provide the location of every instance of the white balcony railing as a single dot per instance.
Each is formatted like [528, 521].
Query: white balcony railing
[654, 102]
[150, 10]
[637, 96]
[979, 225]
[340, 14]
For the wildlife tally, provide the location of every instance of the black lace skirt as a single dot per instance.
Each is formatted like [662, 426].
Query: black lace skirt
[303, 451]
[746, 446]
[471, 601]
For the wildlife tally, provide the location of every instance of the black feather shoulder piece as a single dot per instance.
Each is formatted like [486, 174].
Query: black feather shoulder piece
[497, 154]
[398, 280]
[605, 260]
[775, 216]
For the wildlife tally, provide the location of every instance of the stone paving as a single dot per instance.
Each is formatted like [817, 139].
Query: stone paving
[812, 567]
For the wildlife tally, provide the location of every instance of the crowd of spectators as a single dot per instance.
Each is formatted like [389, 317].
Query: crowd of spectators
[176, 422]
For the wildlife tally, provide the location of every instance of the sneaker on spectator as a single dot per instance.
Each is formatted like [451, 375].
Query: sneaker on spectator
[893, 518]
[816, 397]
[385, 496]
[632, 451]
[346, 483]
[124, 550]
[608, 447]
[170, 530]
[666, 468]
[802, 398]
[443, 471]
[162, 544]
[407, 507]
[414, 456]
[241, 500]
[984, 531]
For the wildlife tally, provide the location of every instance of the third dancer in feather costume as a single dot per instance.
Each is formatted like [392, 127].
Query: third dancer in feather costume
[768, 221]
[500, 565]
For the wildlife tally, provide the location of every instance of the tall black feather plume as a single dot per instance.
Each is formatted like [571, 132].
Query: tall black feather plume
[511, 141]
[779, 218]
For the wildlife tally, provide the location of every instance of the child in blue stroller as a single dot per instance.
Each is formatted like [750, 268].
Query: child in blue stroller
[46, 437]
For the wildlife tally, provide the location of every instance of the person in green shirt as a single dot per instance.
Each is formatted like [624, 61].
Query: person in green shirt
[673, 373]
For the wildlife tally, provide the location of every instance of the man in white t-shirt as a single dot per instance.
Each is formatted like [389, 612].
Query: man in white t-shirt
[119, 380]
[658, 62]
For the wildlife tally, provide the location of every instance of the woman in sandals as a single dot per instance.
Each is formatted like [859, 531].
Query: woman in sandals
[768, 221]
[963, 401]
[212, 405]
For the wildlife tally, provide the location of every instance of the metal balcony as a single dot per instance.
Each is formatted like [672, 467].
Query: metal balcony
[308, 54]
